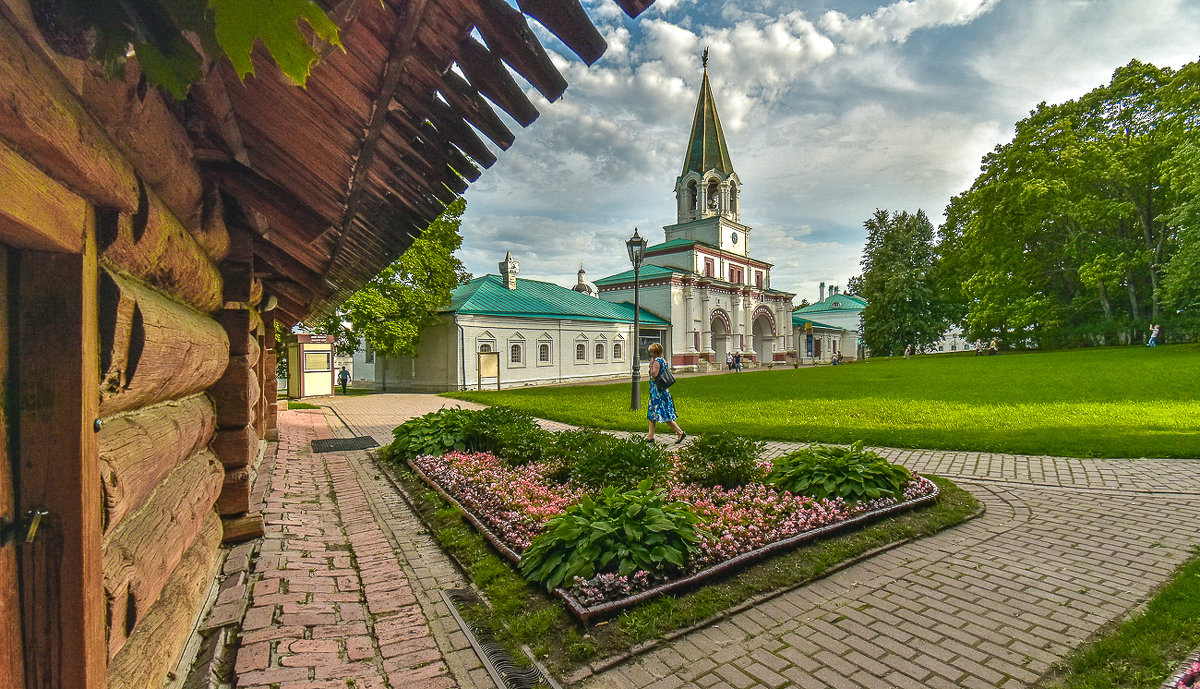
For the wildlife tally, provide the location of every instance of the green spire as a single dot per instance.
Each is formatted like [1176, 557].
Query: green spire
[706, 148]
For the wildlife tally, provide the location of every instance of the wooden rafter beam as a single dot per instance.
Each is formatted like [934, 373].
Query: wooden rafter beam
[401, 50]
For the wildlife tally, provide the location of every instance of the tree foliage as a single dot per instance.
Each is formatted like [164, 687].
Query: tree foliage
[1066, 235]
[404, 298]
[899, 283]
[155, 31]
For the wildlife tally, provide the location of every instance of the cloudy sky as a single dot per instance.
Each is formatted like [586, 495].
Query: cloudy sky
[830, 110]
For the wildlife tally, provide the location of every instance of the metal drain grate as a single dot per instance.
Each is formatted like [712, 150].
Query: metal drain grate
[505, 673]
[364, 442]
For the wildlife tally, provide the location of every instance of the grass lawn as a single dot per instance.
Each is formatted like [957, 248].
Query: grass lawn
[524, 614]
[1110, 402]
[1146, 649]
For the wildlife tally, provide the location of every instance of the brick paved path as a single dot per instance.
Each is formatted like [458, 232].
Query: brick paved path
[331, 605]
[1065, 546]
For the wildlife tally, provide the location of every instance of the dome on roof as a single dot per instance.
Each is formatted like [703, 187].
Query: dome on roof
[583, 286]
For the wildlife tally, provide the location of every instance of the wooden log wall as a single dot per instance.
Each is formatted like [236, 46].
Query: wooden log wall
[108, 162]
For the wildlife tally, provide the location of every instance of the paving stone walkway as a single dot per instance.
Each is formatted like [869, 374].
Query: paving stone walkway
[1066, 545]
[331, 604]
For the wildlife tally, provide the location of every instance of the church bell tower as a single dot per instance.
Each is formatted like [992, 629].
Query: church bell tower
[708, 191]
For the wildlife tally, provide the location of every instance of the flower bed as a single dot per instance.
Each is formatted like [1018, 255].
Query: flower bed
[1187, 677]
[511, 506]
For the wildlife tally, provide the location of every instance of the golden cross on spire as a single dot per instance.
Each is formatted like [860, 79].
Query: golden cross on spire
[704, 59]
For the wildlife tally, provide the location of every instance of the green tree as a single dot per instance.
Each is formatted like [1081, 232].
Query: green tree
[1064, 236]
[393, 308]
[154, 30]
[899, 283]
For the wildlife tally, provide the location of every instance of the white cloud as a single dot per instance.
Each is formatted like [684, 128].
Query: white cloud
[896, 22]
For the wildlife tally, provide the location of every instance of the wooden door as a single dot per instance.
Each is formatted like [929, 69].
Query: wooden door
[12, 670]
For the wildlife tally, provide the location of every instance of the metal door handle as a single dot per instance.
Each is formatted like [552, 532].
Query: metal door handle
[24, 529]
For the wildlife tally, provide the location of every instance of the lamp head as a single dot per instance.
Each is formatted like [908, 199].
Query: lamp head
[636, 245]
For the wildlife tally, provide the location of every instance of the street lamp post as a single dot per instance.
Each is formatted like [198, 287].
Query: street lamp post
[637, 251]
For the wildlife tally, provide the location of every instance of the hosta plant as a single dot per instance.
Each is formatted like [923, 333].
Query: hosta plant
[721, 459]
[615, 531]
[619, 463]
[431, 434]
[849, 473]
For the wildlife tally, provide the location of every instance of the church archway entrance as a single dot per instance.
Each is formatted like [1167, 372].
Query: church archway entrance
[720, 340]
[763, 338]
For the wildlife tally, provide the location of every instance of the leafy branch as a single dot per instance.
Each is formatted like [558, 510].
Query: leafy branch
[169, 36]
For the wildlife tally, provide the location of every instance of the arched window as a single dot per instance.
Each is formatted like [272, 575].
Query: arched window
[485, 347]
[580, 352]
[600, 351]
[714, 192]
[616, 351]
[514, 354]
[544, 352]
[691, 195]
[733, 199]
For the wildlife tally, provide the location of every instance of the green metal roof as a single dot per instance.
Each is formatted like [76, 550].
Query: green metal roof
[487, 296]
[798, 321]
[676, 244]
[648, 272]
[845, 302]
[706, 149]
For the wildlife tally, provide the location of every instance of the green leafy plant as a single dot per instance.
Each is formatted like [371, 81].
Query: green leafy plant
[721, 459]
[569, 446]
[432, 434]
[154, 29]
[849, 473]
[617, 532]
[522, 443]
[619, 463]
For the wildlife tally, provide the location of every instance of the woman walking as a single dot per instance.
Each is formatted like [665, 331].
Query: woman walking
[661, 407]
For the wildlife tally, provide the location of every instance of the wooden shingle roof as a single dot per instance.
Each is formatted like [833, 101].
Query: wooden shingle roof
[335, 180]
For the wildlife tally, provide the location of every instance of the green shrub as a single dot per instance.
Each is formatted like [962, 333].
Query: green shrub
[852, 474]
[721, 459]
[615, 532]
[432, 434]
[522, 443]
[619, 463]
[568, 446]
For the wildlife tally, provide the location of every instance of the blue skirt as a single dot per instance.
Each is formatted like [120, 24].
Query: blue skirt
[661, 406]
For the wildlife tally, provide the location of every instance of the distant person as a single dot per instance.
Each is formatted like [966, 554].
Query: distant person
[737, 362]
[343, 379]
[1154, 330]
[728, 361]
[994, 347]
[661, 407]
[978, 347]
[908, 351]
[837, 359]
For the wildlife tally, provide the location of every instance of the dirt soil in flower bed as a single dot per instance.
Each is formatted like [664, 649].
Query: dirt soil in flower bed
[511, 505]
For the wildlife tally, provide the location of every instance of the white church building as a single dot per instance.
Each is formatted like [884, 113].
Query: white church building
[703, 295]
[703, 278]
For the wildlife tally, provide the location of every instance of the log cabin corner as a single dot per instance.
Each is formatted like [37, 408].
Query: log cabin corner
[149, 251]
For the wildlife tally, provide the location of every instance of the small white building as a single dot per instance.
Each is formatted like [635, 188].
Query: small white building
[835, 324]
[501, 331]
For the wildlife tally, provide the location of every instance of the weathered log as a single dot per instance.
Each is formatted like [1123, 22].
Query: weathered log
[242, 528]
[254, 351]
[41, 117]
[151, 348]
[152, 246]
[143, 549]
[235, 492]
[143, 128]
[235, 394]
[139, 449]
[237, 326]
[213, 236]
[155, 644]
[37, 212]
[235, 447]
